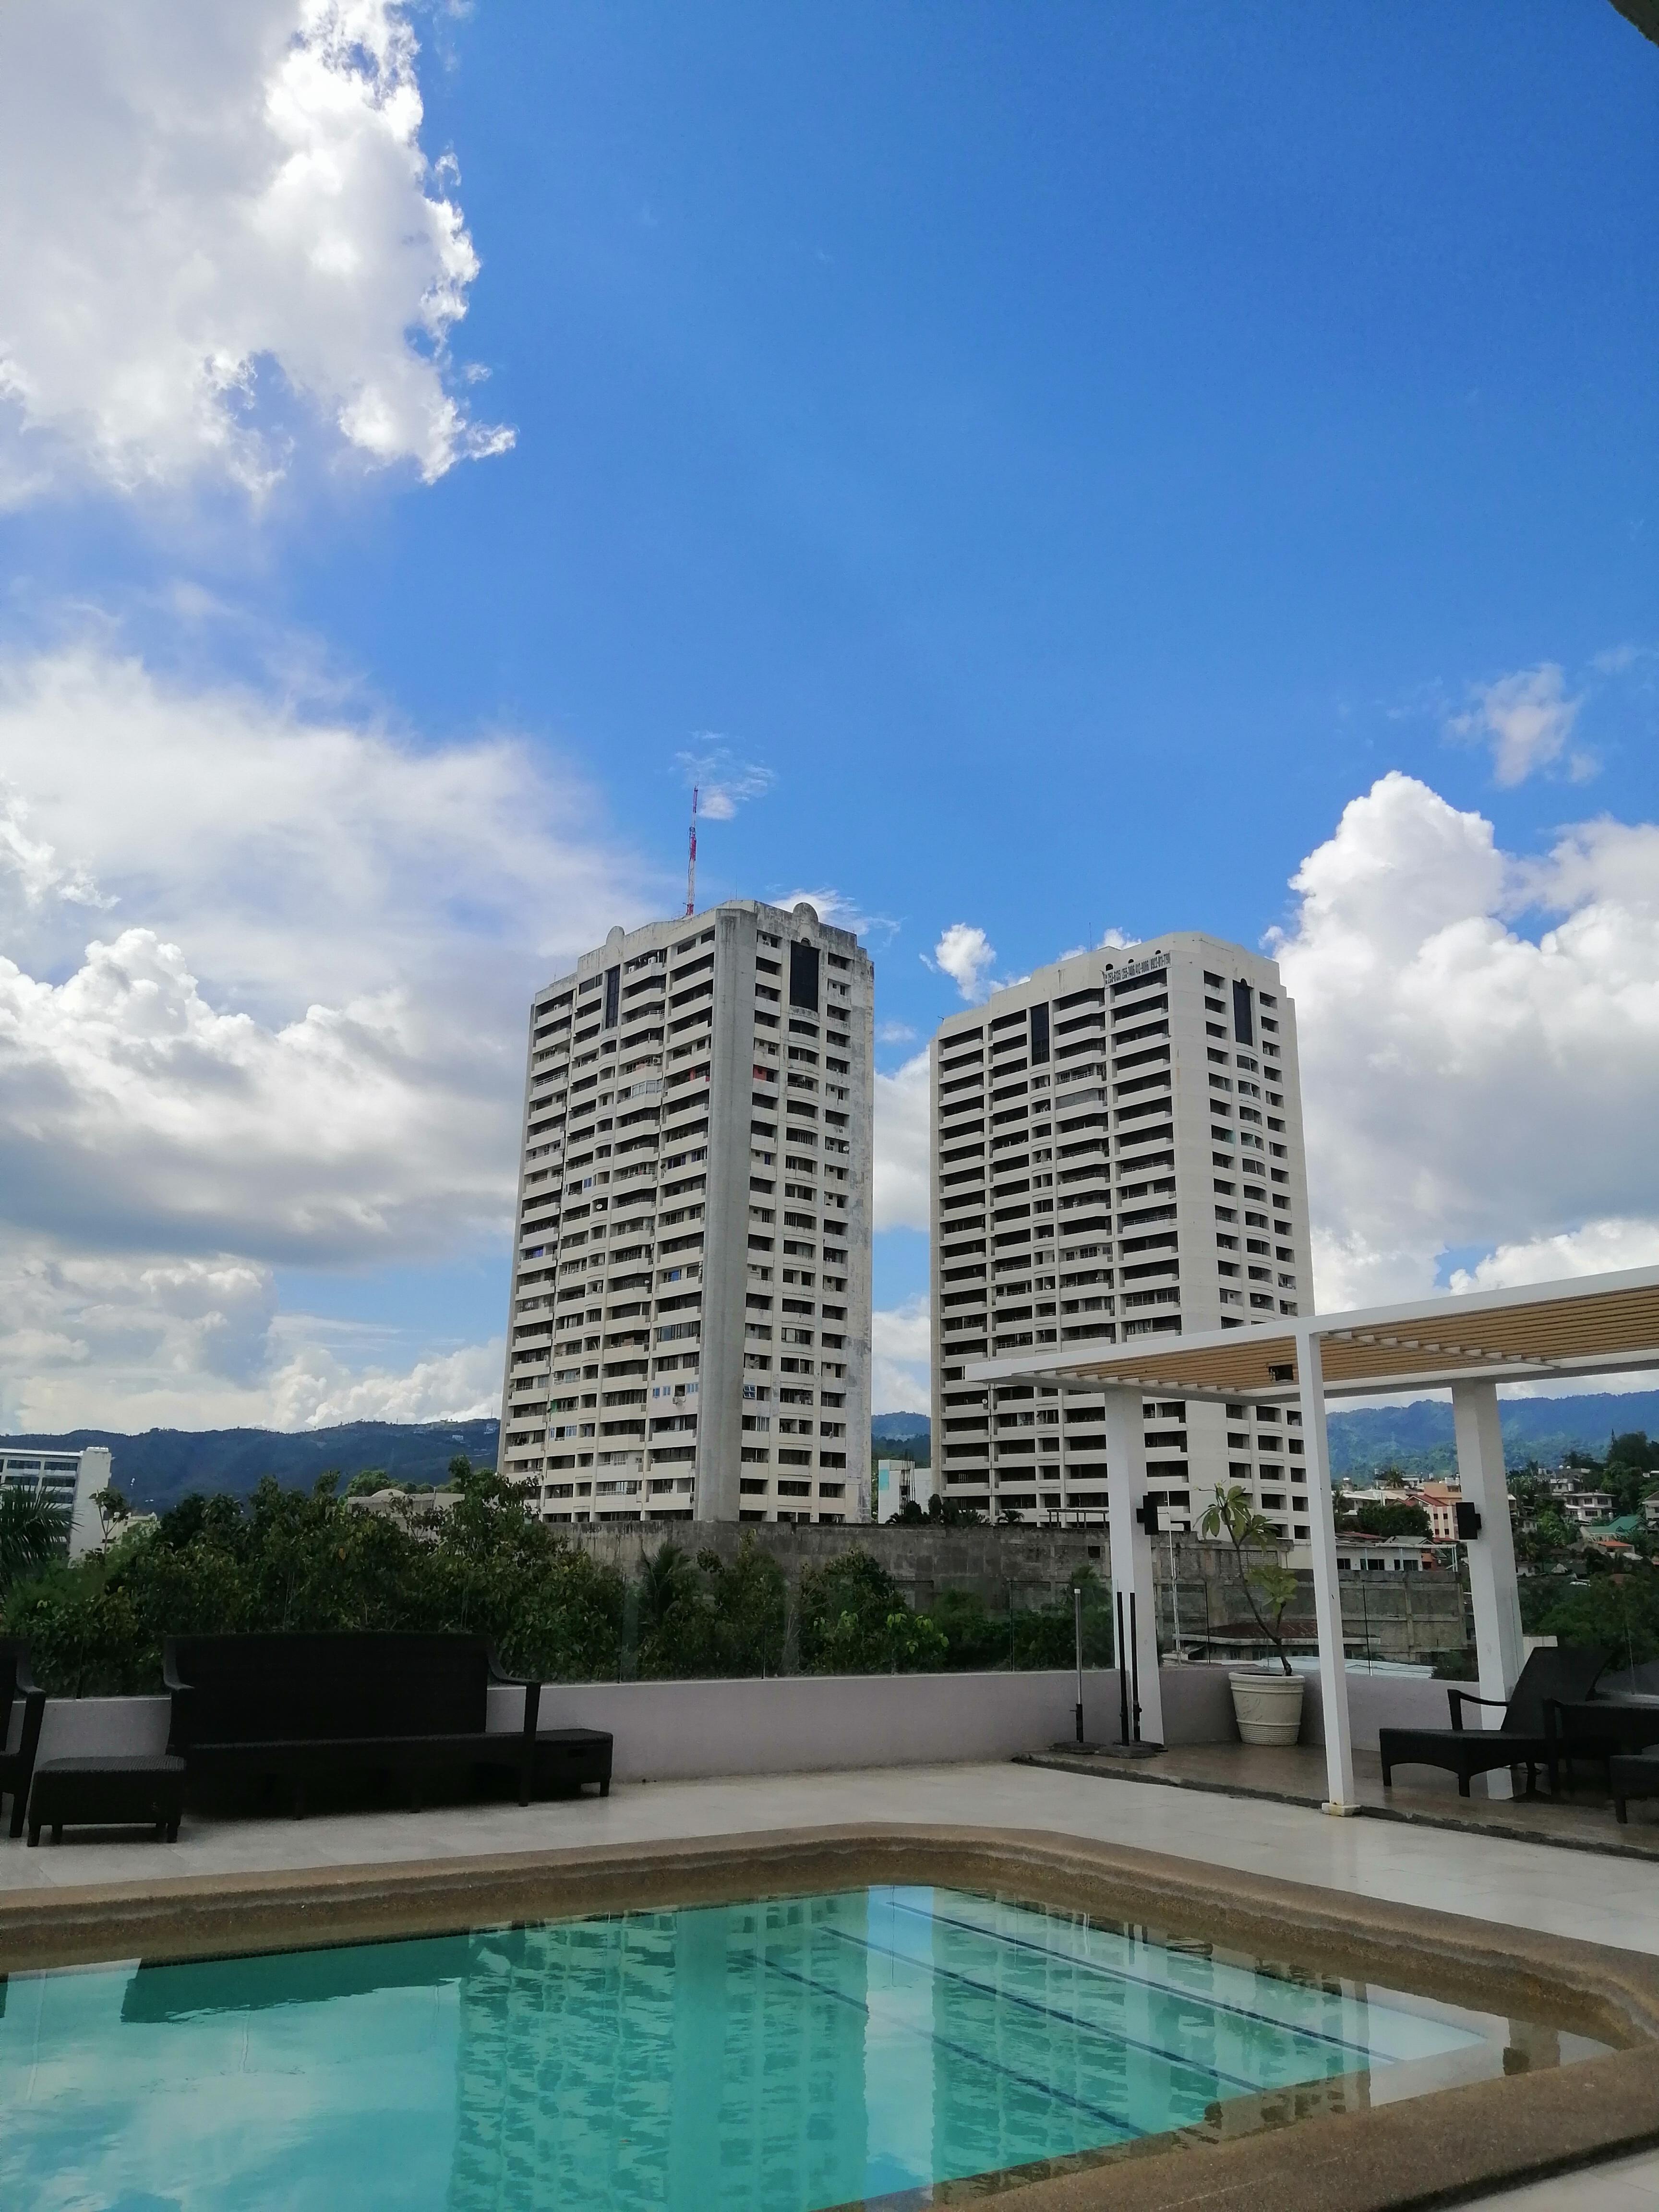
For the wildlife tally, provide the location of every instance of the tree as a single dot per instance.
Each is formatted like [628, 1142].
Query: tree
[855, 1621]
[1265, 1583]
[33, 1531]
[1618, 1612]
[946, 1513]
[1395, 1518]
[112, 1509]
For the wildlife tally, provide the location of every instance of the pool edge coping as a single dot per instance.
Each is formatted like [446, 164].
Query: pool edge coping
[1443, 2147]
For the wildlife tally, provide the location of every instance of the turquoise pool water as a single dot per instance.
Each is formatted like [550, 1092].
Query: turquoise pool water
[770, 2057]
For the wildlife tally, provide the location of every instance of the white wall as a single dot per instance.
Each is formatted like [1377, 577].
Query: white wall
[801, 1723]
[1380, 1701]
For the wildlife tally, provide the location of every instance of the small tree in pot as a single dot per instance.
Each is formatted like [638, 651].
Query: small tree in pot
[1266, 1705]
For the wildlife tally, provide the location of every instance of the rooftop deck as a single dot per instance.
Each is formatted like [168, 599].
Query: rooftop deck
[1203, 1805]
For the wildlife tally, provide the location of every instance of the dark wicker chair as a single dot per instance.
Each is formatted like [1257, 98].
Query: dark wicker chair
[17, 1767]
[1565, 1674]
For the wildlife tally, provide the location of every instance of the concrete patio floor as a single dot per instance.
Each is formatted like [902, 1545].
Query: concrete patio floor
[1451, 1868]
[1582, 1818]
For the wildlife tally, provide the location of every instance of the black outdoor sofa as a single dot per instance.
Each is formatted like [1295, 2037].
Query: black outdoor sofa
[1552, 1676]
[295, 1708]
[17, 1767]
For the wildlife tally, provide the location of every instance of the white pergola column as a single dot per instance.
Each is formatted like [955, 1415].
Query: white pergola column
[1132, 1548]
[1327, 1589]
[1491, 1554]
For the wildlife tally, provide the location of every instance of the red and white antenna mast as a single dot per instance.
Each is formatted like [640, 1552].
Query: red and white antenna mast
[691, 865]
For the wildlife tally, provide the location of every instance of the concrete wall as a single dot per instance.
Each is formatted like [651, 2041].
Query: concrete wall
[1379, 1701]
[805, 1723]
[1019, 1566]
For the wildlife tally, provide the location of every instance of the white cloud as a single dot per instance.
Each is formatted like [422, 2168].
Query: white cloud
[217, 230]
[967, 956]
[296, 1036]
[293, 854]
[1599, 1248]
[900, 1370]
[895, 1033]
[723, 782]
[1464, 1086]
[1527, 720]
[903, 1148]
[312, 1391]
[839, 911]
[153, 1339]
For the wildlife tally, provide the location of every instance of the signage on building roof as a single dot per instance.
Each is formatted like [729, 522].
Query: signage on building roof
[1140, 967]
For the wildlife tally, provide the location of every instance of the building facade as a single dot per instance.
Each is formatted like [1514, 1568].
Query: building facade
[899, 1483]
[689, 1336]
[70, 1480]
[1117, 1152]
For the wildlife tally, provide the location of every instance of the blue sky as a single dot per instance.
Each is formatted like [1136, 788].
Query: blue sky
[1066, 457]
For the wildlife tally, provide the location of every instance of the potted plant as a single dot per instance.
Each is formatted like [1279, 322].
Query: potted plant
[1267, 1701]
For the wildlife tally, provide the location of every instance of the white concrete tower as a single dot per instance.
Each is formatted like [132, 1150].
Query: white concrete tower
[1117, 1152]
[689, 1332]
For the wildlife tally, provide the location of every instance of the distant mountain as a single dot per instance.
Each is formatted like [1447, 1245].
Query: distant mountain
[888, 1426]
[156, 1469]
[1417, 1439]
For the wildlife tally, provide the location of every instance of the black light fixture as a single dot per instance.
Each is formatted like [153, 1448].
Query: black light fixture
[1146, 1516]
[1469, 1522]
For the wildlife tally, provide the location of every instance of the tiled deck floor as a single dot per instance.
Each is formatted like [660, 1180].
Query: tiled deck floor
[1582, 1818]
[1496, 1878]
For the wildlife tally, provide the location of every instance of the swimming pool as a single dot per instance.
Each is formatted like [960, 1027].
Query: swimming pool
[778, 2057]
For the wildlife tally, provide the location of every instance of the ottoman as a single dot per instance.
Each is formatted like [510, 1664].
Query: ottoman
[108, 1793]
[1634, 1774]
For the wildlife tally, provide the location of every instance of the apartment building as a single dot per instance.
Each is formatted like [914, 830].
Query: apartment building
[67, 1479]
[689, 1336]
[1117, 1152]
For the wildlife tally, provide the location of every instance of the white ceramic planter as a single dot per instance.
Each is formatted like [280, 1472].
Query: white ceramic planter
[1268, 1707]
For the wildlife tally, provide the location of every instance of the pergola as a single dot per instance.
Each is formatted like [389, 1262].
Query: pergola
[1595, 1325]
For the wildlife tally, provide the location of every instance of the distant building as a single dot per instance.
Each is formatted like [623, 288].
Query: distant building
[1588, 1508]
[1440, 1501]
[899, 1483]
[1376, 1555]
[68, 1479]
[1117, 1154]
[689, 1331]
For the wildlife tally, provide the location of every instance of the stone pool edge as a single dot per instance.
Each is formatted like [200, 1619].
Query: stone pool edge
[1437, 2150]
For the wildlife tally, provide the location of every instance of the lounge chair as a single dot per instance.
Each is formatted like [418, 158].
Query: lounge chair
[17, 1767]
[1550, 1674]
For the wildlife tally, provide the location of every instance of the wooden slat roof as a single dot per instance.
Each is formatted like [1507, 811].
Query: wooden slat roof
[1593, 1325]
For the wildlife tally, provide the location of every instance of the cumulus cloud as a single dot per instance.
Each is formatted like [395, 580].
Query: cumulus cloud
[839, 911]
[1599, 1248]
[895, 1033]
[902, 1147]
[900, 1369]
[292, 854]
[967, 956]
[295, 1036]
[152, 1340]
[1465, 1084]
[219, 230]
[1527, 720]
[722, 781]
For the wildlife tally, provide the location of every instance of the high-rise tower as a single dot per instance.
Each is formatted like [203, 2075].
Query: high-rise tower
[1117, 1152]
[688, 1333]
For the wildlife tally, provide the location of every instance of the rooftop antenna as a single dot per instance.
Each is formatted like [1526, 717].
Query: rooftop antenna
[691, 865]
